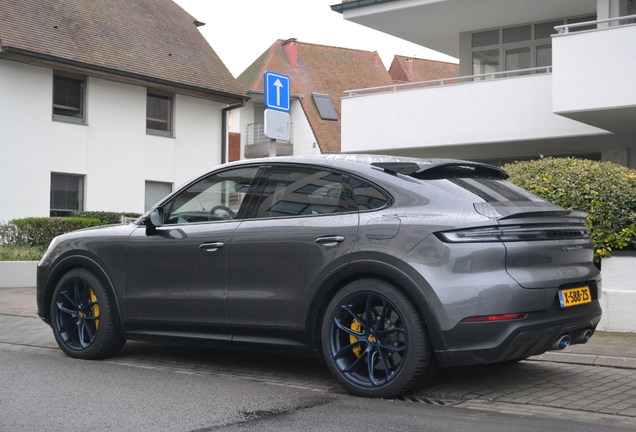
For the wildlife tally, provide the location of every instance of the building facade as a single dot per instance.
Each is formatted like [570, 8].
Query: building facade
[536, 78]
[105, 108]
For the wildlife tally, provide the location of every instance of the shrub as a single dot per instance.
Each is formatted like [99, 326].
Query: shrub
[606, 191]
[38, 232]
[20, 253]
[105, 217]
[29, 237]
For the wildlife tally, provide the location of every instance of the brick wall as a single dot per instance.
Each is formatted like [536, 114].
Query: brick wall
[234, 147]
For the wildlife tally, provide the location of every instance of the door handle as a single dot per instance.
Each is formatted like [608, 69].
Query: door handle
[330, 240]
[211, 247]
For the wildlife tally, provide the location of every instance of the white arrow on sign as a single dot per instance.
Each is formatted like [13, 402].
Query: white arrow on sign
[278, 86]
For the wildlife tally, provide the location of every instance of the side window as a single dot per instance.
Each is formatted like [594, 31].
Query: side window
[69, 98]
[303, 191]
[67, 194]
[217, 197]
[159, 110]
[367, 197]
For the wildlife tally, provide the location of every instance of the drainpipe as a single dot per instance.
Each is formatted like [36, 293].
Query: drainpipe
[224, 112]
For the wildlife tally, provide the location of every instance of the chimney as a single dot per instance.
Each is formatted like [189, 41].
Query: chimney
[291, 49]
[376, 58]
[409, 64]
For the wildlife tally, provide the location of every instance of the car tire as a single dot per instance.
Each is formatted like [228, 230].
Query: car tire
[82, 317]
[386, 357]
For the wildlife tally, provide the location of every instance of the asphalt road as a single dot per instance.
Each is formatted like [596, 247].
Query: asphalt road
[42, 390]
[152, 387]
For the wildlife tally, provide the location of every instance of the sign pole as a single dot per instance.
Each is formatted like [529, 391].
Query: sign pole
[272, 147]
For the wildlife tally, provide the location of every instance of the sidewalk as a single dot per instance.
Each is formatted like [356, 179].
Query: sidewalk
[603, 349]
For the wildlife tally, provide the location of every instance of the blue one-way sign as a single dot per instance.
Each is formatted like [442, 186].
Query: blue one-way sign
[276, 91]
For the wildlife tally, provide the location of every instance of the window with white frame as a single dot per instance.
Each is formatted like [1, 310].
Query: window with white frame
[515, 48]
[67, 194]
[159, 113]
[69, 98]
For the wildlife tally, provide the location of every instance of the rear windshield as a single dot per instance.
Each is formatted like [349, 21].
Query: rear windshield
[503, 199]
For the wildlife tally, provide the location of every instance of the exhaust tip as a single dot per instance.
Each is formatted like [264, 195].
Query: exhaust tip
[561, 343]
[584, 337]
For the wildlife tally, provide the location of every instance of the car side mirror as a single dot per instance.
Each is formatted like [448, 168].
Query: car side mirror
[154, 220]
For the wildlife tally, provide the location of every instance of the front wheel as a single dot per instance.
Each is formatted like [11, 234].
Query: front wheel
[82, 317]
[374, 340]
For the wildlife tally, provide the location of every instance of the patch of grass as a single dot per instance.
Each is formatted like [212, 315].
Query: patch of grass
[20, 253]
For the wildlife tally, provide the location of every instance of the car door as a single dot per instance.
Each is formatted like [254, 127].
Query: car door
[176, 277]
[303, 228]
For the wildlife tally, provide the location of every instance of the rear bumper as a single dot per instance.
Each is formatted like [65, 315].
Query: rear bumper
[516, 339]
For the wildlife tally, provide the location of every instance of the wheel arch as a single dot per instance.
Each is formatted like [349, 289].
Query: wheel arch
[74, 262]
[378, 270]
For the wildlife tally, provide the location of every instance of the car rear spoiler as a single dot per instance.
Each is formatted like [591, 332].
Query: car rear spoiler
[442, 170]
[525, 209]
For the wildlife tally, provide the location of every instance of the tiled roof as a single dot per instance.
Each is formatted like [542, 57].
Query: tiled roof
[147, 40]
[411, 70]
[320, 69]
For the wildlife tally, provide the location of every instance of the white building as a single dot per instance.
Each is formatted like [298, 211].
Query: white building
[527, 89]
[107, 107]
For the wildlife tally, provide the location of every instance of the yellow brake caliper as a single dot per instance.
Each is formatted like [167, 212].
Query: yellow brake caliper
[95, 306]
[355, 326]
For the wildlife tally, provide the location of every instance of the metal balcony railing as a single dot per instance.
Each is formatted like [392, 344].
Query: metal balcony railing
[257, 144]
[562, 30]
[565, 29]
[451, 81]
[256, 134]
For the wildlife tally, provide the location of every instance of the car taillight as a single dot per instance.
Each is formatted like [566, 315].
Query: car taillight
[515, 233]
[494, 317]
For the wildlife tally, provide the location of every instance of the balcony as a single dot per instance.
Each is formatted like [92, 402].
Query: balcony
[435, 117]
[585, 102]
[257, 144]
[593, 78]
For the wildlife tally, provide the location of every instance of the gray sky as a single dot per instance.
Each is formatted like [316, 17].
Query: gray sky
[241, 30]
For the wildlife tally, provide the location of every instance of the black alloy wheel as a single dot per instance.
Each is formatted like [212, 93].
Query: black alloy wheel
[81, 317]
[374, 340]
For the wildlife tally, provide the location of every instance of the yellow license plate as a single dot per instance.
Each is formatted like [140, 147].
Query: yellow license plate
[574, 296]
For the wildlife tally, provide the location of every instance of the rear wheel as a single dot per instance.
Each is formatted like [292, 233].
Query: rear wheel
[82, 317]
[374, 340]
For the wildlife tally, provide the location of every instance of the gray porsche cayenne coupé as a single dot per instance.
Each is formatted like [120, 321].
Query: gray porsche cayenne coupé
[386, 267]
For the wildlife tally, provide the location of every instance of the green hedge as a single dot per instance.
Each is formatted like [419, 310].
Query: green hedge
[105, 218]
[38, 232]
[29, 237]
[606, 191]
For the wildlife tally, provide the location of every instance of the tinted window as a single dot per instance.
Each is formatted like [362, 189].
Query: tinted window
[367, 197]
[217, 197]
[302, 191]
[491, 190]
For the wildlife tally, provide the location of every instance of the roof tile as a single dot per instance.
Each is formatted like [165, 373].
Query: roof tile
[153, 39]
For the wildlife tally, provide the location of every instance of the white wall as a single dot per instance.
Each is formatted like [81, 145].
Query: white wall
[595, 69]
[112, 150]
[305, 142]
[513, 109]
[618, 298]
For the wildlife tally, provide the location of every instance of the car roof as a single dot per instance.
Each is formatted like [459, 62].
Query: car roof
[392, 164]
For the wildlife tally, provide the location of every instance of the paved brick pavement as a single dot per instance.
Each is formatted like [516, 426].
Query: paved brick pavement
[539, 386]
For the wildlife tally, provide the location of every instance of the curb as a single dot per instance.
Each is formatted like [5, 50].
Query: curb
[587, 359]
